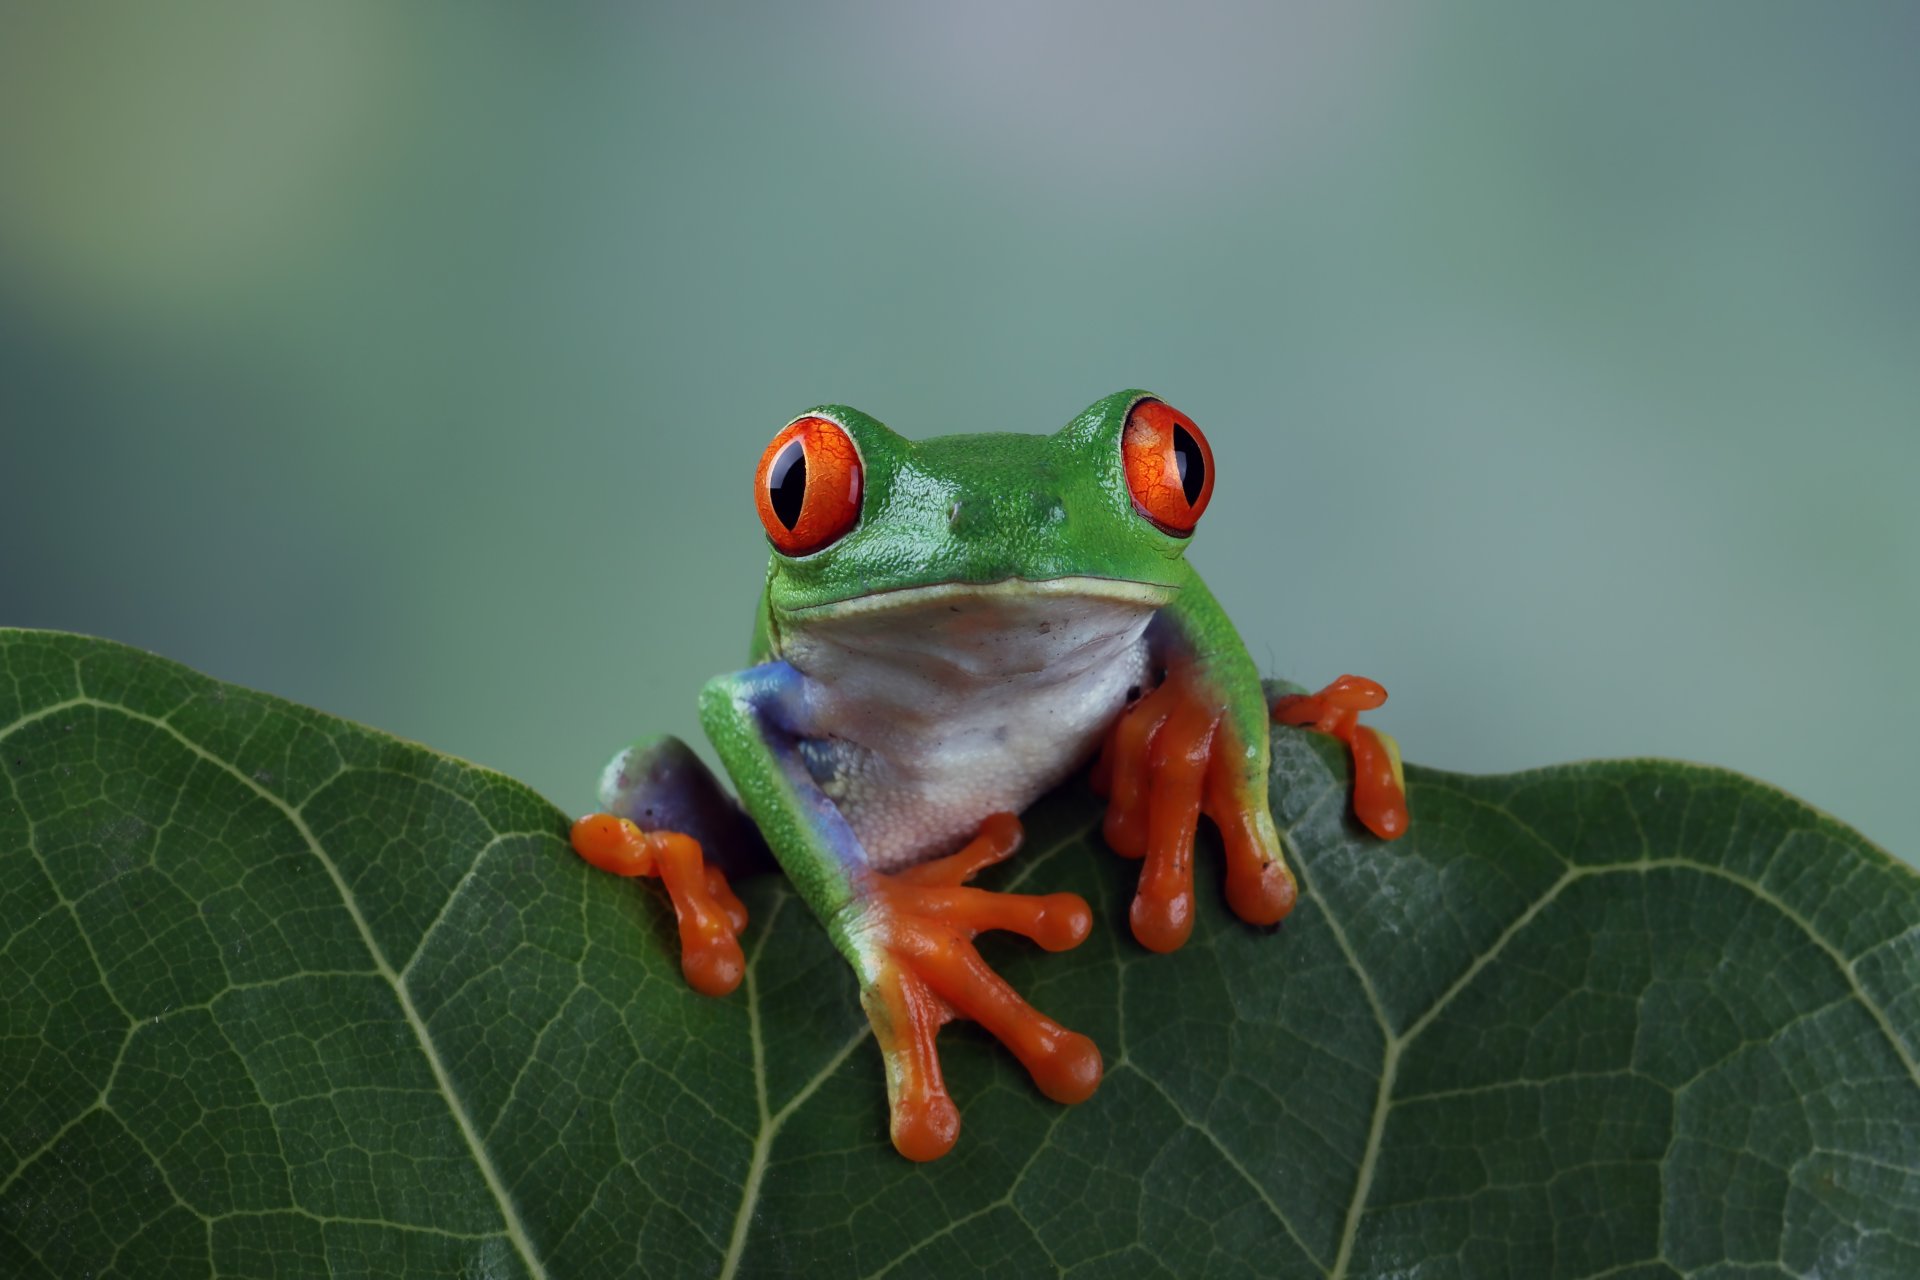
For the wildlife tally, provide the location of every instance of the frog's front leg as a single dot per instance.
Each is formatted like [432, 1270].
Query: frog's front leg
[908, 935]
[1198, 744]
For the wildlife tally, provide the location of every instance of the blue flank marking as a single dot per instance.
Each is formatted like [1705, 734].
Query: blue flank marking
[778, 695]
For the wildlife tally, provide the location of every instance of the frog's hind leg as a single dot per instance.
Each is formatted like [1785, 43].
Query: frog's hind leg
[917, 927]
[660, 784]
[665, 815]
[1379, 786]
[710, 916]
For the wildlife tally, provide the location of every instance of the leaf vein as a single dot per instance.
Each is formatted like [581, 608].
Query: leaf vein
[483, 1161]
[1233, 1161]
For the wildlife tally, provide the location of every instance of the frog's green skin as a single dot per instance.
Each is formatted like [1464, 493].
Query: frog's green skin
[961, 650]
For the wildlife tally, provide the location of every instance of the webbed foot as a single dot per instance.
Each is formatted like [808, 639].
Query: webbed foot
[1379, 786]
[914, 932]
[711, 917]
[1171, 756]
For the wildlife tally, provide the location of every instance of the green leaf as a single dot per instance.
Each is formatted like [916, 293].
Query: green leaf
[285, 996]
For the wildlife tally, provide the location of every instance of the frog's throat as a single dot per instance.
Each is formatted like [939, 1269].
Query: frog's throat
[1146, 596]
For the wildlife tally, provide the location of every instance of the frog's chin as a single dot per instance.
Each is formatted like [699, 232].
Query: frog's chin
[1122, 594]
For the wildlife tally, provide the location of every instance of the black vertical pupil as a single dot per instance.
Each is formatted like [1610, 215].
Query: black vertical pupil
[1192, 463]
[787, 483]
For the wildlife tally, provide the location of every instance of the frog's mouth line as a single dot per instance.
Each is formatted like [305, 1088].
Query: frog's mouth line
[1146, 596]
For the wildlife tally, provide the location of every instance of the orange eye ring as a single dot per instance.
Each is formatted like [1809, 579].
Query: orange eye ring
[808, 486]
[1169, 466]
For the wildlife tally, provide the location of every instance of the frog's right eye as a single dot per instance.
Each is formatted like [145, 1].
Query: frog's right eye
[808, 486]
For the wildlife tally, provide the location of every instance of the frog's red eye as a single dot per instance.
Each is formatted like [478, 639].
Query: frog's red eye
[1169, 466]
[808, 486]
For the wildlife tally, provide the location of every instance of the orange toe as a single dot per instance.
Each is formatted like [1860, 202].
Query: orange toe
[614, 845]
[906, 1016]
[1378, 800]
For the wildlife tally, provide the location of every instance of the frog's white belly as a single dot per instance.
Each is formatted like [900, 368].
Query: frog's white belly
[931, 708]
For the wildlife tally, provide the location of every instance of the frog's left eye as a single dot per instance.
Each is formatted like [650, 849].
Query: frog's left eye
[808, 486]
[1169, 466]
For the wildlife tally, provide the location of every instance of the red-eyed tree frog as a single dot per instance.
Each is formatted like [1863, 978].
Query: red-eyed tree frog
[949, 628]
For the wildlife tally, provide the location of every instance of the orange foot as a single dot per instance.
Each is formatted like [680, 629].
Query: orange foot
[710, 916]
[914, 933]
[1170, 757]
[1379, 788]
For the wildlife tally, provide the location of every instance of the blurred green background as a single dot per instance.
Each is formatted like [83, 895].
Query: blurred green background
[1563, 367]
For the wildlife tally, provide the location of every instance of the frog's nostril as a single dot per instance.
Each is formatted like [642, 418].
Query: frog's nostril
[953, 514]
[1048, 507]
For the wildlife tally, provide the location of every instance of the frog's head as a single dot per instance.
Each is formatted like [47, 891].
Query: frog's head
[1105, 507]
